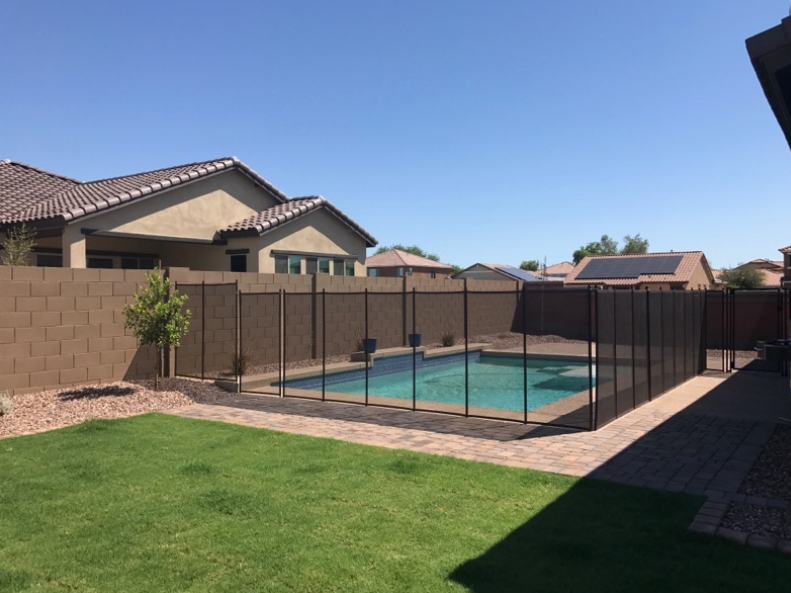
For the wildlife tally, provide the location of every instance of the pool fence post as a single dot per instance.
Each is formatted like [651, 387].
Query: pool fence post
[365, 347]
[615, 347]
[203, 331]
[238, 339]
[590, 362]
[466, 357]
[648, 342]
[634, 378]
[283, 355]
[323, 343]
[524, 348]
[414, 350]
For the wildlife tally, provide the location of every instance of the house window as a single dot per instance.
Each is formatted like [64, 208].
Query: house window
[311, 265]
[349, 267]
[433, 273]
[400, 271]
[137, 263]
[239, 263]
[337, 267]
[294, 264]
[409, 271]
[324, 266]
[49, 261]
[100, 262]
[281, 264]
[373, 272]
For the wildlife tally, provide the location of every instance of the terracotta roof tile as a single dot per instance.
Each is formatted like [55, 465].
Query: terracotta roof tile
[29, 194]
[687, 266]
[277, 216]
[398, 258]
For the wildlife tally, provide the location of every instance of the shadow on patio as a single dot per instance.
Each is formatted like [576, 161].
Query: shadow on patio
[598, 535]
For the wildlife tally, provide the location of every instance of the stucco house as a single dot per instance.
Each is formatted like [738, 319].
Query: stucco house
[503, 272]
[680, 270]
[211, 215]
[395, 263]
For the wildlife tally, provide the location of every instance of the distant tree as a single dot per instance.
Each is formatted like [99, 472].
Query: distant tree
[608, 246]
[456, 269]
[742, 276]
[413, 249]
[18, 246]
[634, 245]
[156, 317]
[531, 265]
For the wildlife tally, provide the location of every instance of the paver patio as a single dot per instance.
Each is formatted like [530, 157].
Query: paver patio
[702, 437]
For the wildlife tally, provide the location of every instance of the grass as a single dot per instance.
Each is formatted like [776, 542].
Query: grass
[160, 503]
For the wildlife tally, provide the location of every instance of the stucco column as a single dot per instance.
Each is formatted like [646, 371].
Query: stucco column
[73, 244]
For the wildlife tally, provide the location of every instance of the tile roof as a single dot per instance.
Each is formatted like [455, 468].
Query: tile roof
[278, 215]
[30, 194]
[785, 249]
[558, 270]
[21, 186]
[684, 272]
[398, 258]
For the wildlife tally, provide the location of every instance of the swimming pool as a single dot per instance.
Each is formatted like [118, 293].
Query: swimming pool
[494, 381]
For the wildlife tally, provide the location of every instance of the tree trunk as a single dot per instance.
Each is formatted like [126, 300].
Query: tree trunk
[159, 366]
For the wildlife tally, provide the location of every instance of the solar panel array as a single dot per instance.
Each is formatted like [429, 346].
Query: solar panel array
[518, 274]
[629, 267]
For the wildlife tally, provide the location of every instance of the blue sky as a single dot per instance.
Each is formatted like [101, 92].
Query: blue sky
[482, 131]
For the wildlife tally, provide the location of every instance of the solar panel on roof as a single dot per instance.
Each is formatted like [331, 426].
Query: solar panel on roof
[518, 273]
[607, 268]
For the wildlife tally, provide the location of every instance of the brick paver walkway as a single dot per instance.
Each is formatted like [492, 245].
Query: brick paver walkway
[683, 441]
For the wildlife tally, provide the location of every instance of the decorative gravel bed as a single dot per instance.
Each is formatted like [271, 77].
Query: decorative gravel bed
[771, 475]
[770, 478]
[758, 520]
[36, 412]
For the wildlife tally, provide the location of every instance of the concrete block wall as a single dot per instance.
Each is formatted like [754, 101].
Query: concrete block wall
[63, 327]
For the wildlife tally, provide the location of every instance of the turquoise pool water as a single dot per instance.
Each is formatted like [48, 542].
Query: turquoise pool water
[494, 382]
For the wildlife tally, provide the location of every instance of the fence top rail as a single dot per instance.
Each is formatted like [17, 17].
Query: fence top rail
[199, 284]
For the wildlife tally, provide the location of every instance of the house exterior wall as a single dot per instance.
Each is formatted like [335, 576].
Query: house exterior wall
[193, 211]
[417, 272]
[316, 232]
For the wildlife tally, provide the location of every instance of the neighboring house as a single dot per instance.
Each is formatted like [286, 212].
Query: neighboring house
[556, 271]
[687, 270]
[497, 272]
[212, 215]
[786, 251]
[397, 264]
[771, 271]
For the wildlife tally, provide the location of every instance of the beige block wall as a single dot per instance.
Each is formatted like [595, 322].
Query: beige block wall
[63, 327]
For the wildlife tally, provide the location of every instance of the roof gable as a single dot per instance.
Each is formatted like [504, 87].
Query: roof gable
[23, 186]
[277, 216]
[398, 258]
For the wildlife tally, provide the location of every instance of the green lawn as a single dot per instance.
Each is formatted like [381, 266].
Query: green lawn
[159, 503]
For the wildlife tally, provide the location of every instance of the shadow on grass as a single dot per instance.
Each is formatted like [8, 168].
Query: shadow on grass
[604, 536]
[95, 392]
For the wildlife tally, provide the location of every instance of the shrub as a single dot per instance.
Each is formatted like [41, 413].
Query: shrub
[240, 362]
[18, 246]
[448, 339]
[6, 403]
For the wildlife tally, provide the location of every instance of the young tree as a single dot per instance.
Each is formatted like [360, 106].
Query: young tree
[742, 276]
[156, 317]
[531, 265]
[18, 246]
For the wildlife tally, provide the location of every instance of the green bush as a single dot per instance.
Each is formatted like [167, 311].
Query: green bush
[448, 339]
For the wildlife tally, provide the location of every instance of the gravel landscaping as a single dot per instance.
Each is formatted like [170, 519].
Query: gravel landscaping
[770, 478]
[37, 412]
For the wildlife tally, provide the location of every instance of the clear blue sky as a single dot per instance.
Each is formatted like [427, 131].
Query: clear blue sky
[482, 131]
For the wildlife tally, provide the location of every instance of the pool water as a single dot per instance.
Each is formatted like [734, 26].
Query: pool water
[494, 382]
